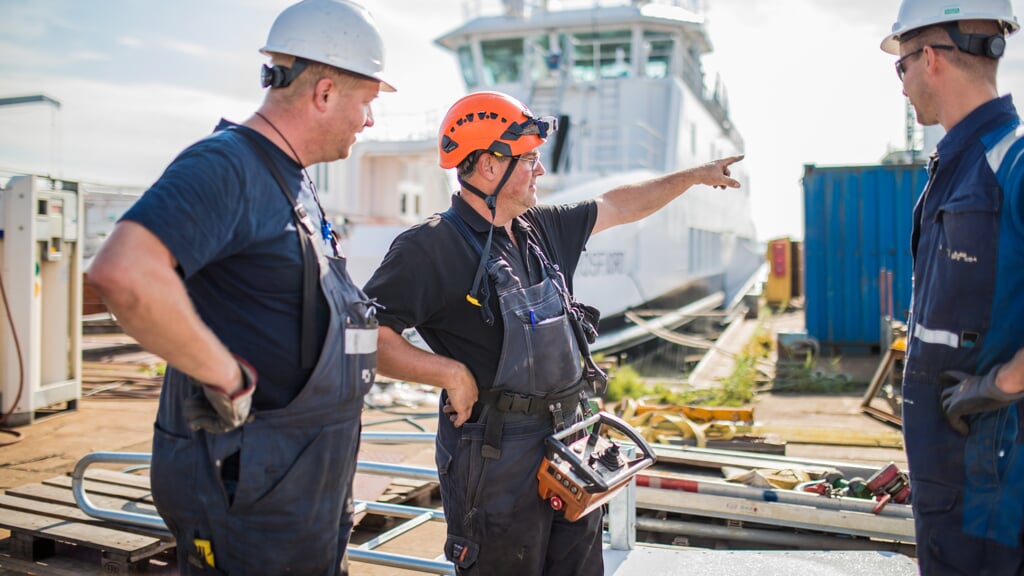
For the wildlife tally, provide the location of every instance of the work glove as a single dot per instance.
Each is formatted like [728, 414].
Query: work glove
[217, 412]
[972, 394]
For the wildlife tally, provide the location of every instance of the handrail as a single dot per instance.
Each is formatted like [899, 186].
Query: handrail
[620, 529]
[78, 489]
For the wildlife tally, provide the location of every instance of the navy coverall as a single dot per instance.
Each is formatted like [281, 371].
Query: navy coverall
[967, 315]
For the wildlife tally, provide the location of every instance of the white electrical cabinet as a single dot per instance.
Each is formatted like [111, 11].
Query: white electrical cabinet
[40, 317]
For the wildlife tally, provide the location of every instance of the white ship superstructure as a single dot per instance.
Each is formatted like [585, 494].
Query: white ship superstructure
[626, 81]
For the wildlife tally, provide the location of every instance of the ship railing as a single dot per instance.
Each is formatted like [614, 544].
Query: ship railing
[621, 533]
[519, 8]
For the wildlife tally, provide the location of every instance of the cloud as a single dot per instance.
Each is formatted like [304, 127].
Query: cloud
[188, 49]
[88, 56]
[130, 42]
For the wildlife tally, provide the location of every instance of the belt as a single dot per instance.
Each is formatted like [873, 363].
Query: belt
[504, 402]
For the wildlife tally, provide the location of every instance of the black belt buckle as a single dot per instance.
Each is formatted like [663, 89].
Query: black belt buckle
[557, 419]
[512, 402]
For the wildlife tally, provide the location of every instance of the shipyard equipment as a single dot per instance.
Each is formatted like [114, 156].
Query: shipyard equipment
[583, 474]
[41, 276]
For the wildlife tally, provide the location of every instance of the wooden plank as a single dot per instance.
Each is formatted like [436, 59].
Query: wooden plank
[832, 436]
[61, 504]
[104, 488]
[121, 478]
[408, 490]
[38, 507]
[135, 546]
[58, 496]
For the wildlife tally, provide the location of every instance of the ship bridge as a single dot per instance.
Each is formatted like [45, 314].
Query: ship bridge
[626, 81]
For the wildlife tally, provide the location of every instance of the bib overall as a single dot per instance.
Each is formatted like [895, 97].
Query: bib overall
[497, 523]
[287, 506]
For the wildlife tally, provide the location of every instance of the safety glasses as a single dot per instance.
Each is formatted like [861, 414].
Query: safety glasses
[901, 63]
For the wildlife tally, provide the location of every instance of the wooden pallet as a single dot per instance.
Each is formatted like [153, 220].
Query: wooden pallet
[50, 534]
[44, 518]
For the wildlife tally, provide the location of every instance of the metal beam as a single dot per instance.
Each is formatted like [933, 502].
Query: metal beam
[15, 100]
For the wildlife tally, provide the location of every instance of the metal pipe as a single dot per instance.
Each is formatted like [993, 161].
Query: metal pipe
[718, 488]
[773, 537]
[398, 437]
[78, 490]
[383, 469]
[399, 561]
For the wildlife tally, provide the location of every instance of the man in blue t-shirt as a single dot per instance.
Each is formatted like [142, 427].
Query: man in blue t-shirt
[963, 382]
[227, 267]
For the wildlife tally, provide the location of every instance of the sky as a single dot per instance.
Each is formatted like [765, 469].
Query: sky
[139, 80]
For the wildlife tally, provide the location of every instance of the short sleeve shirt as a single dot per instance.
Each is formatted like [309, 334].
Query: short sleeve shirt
[227, 222]
[428, 271]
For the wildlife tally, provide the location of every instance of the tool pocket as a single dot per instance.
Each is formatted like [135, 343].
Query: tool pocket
[358, 315]
[540, 355]
[175, 478]
[969, 247]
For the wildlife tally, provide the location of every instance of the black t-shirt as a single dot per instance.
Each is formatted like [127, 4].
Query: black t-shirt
[429, 269]
[228, 224]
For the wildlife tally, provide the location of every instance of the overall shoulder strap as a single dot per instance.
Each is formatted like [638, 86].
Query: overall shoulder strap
[479, 294]
[310, 260]
[463, 229]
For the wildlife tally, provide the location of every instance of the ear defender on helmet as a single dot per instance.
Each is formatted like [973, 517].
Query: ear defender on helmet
[279, 76]
[992, 46]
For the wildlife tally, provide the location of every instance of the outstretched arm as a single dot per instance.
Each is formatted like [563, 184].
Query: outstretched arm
[631, 202]
[397, 358]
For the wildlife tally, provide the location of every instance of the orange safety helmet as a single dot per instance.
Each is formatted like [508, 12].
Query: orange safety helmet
[490, 121]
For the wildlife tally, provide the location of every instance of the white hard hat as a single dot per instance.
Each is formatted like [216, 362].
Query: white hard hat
[339, 33]
[919, 13]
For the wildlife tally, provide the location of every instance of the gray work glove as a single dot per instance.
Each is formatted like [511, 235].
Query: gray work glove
[972, 394]
[217, 412]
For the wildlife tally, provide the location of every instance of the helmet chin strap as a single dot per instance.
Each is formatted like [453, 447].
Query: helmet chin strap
[491, 200]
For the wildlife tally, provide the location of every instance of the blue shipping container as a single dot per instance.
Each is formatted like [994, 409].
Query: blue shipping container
[857, 225]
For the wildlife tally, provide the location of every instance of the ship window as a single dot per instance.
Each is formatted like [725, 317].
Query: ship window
[502, 60]
[467, 66]
[601, 54]
[657, 54]
[543, 61]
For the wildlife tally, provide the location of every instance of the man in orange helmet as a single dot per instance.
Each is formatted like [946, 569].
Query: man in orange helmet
[508, 351]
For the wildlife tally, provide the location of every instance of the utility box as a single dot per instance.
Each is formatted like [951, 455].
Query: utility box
[785, 272]
[40, 317]
[857, 225]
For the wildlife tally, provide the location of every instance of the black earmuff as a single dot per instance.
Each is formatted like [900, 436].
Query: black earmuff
[991, 46]
[278, 76]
